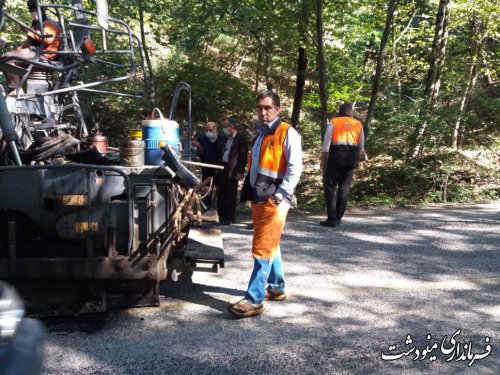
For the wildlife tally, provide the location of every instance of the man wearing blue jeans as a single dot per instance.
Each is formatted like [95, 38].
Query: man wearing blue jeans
[270, 274]
[275, 169]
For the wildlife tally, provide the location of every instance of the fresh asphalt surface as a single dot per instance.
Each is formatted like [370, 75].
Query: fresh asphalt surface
[353, 291]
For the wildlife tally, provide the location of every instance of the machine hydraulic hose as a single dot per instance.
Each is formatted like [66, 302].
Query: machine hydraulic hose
[182, 86]
[8, 131]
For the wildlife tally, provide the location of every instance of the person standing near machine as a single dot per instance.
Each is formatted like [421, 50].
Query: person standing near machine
[209, 150]
[275, 169]
[234, 159]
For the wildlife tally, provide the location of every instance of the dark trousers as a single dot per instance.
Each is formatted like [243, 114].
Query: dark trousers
[337, 182]
[226, 197]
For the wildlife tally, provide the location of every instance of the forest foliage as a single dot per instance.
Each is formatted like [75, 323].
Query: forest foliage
[435, 132]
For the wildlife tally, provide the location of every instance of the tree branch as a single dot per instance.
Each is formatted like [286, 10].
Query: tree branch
[405, 29]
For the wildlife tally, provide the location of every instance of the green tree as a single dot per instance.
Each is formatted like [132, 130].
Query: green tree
[433, 82]
[391, 7]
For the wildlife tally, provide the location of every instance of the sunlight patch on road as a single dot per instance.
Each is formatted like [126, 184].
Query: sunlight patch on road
[392, 280]
[76, 360]
[286, 310]
[438, 233]
[239, 236]
[326, 292]
[382, 238]
[493, 311]
[229, 298]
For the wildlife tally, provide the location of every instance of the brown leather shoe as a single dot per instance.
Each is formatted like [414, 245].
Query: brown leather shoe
[245, 308]
[274, 296]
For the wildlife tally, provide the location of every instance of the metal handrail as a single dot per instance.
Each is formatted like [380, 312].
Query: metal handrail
[133, 66]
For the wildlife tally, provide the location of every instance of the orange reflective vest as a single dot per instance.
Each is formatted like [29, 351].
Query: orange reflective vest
[272, 163]
[346, 136]
[346, 131]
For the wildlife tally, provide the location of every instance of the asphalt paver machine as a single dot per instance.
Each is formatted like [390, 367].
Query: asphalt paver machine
[79, 232]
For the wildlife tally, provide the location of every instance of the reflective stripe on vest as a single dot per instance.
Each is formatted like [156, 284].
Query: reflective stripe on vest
[346, 131]
[272, 161]
[273, 174]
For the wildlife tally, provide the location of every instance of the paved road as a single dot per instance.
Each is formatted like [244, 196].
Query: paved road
[353, 292]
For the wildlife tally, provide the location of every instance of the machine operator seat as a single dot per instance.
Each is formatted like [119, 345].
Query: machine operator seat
[67, 64]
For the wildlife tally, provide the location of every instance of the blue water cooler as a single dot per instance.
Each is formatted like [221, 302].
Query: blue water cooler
[158, 132]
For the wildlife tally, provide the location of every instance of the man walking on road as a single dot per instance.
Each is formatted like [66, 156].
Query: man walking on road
[343, 146]
[275, 169]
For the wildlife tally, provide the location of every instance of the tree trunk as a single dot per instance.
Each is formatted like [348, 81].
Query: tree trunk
[323, 94]
[282, 71]
[487, 69]
[395, 65]
[397, 69]
[433, 82]
[439, 43]
[471, 79]
[299, 86]
[380, 64]
[300, 82]
[227, 65]
[257, 71]
[267, 66]
[476, 50]
[369, 53]
[150, 87]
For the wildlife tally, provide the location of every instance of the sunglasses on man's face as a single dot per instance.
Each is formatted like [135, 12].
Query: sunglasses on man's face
[264, 107]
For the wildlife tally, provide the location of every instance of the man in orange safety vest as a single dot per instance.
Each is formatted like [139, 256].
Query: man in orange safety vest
[343, 146]
[274, 170]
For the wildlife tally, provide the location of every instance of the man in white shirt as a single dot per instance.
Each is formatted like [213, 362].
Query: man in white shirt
[275, 169]
[234, 160]
[343, 147]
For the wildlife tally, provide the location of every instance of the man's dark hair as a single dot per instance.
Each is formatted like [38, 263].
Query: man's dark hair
[32, 5]
[270, 94]
[345, 109]
[232, 122]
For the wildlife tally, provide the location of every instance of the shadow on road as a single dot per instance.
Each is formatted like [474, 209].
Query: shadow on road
[186, 290]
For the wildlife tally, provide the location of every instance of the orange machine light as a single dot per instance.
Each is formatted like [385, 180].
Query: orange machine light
[89, 46]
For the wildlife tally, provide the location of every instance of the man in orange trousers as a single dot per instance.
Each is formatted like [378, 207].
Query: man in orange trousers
[275, 169]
